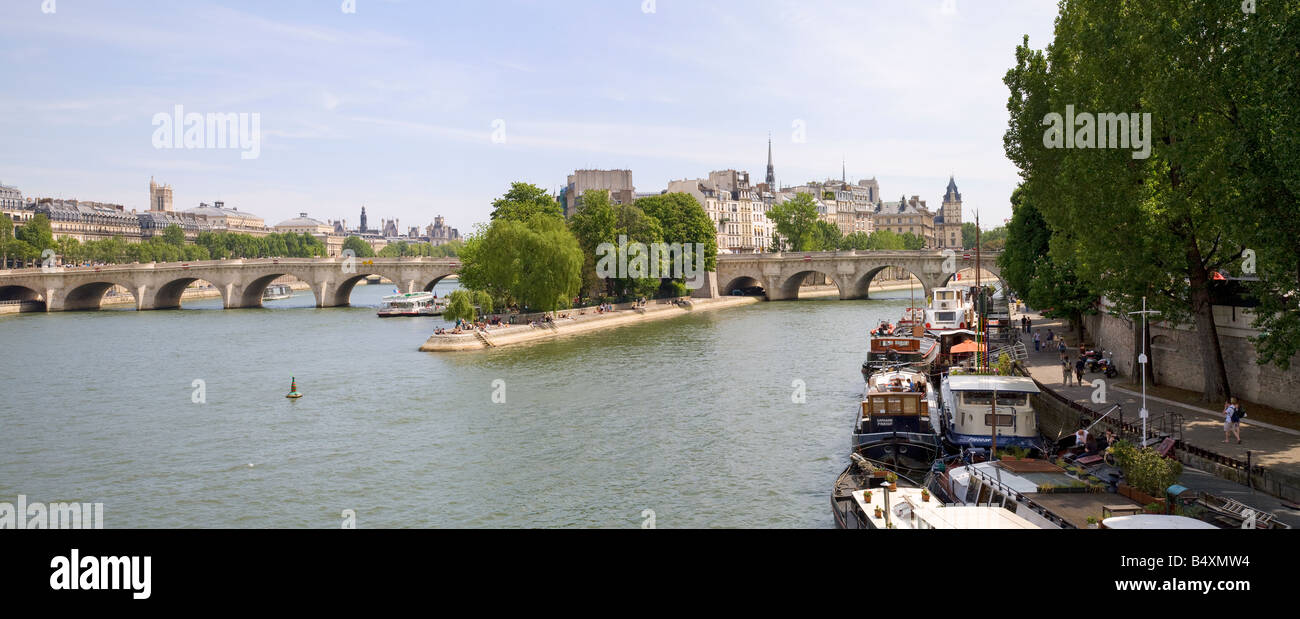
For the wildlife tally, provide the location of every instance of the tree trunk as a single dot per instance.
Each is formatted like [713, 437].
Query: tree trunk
[1216, 387]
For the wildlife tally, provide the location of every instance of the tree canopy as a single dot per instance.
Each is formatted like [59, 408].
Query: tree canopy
[523, 201]
[796, 221]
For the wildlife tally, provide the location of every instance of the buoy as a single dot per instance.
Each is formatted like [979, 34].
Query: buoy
[293, 389]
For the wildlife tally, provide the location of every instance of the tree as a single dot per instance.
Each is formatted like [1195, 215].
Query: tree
[6, 239]
[857, 240]
[173, 235]
[38, 233]
[684, 221]
[483, 300]
[795, 220]
[359, 247]
[1152, 218]
[968, 234]
[594, 223]
[460, 306]
[826, 236]
[912, 241]
[537, 263]
[523, 201]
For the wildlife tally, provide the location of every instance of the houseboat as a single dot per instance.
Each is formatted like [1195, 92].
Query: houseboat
[897, 421]
[1037, 490]
[412, 304]
[917, 509]
[950, 309]
[970, 418]
[897, 347]
[275, 292]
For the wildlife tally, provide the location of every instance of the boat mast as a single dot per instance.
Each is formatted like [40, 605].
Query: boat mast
[979, 295]
[993, 453]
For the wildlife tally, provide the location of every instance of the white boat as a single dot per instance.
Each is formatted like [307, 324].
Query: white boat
[950, 309]
[913, 508]
[1037, 490]
[275, 292]
[412, 304]
[968, 416]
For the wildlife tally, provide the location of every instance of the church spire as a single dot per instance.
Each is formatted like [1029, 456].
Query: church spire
[771, 169]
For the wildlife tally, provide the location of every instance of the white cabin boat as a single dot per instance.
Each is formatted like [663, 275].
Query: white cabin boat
[275, 292]
[950, 309]
[907, 508]
[968, 416]
[412, 304]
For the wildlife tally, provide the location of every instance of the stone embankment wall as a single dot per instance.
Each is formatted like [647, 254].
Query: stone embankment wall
[522, 333]
[1176, 357]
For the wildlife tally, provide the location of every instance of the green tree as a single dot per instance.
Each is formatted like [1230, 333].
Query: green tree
[173, 235]
[684, 221]
[886, 240]
[537, 263]
[460, 306]
[796, 220]
[523, 201]
[360, 248]
[968, 235]
[857, 240]
[593, 224]
[826, 236]
[912, 241]
[483, 301]
[6, 238]
[1151, 220]
[38, 233]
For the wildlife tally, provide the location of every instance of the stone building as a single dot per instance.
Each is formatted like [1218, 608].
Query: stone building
[734, 206]
[617, 182]
[160, 197]
[907, 216]
[439, 233]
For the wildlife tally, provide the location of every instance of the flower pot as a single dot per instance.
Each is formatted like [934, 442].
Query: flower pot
[925, 498]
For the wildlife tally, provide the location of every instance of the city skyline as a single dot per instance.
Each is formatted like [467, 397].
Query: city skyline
[339, 128]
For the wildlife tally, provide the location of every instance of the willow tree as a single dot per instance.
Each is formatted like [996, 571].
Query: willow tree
[535, 263]
[1124, 136]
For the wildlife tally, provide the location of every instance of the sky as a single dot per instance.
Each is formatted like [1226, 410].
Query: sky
[417, 108]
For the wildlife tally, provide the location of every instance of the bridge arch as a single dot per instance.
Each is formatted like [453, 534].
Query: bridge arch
[250, 294]
[170, 294]
[90, 296]
[16, 292]
[788, 288]
[861, 288]
[742, 282]
[967, 274]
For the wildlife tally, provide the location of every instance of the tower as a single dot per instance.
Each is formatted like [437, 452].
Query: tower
[160, 197]
[950, 235]
[363, 220]
[771, 169]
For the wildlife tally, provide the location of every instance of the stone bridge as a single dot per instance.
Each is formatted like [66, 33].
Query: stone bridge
[241, 282]
[781, 274]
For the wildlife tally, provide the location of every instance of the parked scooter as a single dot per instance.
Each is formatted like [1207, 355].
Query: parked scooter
[1105, 366]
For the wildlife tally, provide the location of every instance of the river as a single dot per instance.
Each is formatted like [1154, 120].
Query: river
[690, 418]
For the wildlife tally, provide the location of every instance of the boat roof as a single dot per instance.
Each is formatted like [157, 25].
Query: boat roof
[1017, 384]
[409, 295]
[975, 517]
[1155, 521]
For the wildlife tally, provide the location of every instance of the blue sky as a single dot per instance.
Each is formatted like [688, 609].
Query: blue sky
[393, 106]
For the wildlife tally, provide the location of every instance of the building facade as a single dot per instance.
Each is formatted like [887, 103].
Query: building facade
[948, 222]
[617, 182]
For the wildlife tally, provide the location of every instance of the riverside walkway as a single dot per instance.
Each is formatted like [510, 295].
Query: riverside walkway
[1272, 446]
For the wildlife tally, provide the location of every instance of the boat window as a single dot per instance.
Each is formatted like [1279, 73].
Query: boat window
[986, 397]
[909, 406]
[1003, 420]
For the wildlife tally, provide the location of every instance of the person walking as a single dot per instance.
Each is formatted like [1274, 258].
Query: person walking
[1065, 371]
[1078, 371]
[1038, 344]
[1231, 421]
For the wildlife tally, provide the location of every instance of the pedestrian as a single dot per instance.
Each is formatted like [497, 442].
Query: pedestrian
[1037, 342]
[1078, 371]
[1065, 371]
[1050, 335]
[1231, 421]
[1061, 348]
[1237, 413]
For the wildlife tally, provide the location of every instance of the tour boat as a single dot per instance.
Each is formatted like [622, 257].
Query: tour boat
[275, 292]
[970, 418]
[412, 304]
[897, 425]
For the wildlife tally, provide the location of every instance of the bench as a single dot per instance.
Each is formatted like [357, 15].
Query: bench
[1108, 511]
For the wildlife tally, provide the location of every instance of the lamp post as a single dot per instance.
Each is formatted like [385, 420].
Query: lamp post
[1142, 360]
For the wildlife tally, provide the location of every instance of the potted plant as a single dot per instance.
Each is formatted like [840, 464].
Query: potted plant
[1092, 522]
[892, 478]
[880, 513]
[866, 496]
[925, 495]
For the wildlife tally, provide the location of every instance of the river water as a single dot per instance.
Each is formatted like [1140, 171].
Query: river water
[691, 418]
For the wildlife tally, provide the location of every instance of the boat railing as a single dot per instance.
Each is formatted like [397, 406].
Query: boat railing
[1019, 497]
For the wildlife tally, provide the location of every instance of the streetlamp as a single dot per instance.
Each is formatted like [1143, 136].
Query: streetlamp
[1142, 360]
